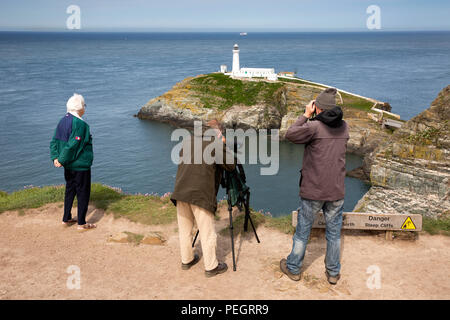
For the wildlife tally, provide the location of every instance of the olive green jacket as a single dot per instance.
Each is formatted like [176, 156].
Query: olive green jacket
[198, 184]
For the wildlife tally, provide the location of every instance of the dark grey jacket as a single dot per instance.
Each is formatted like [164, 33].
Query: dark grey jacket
[323, 171]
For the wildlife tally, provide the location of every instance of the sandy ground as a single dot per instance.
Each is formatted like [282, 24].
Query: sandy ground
[36, 250]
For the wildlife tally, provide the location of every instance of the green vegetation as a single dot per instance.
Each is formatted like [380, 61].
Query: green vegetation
[355, 102]
[437, 226]
[219, 91]
[283, 223]
[429, 135]
[157, 210]
[134, 237]
[300, 81]
[31, 198]
[144, 209]
[138, 208]
[348, 99]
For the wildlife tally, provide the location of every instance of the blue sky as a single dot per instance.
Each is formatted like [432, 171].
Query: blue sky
[225, 15]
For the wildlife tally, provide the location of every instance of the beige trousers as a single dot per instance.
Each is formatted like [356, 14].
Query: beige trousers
[186, 213]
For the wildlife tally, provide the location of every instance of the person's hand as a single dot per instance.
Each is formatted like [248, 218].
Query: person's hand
[220, 136]
[310, 108]
[56, 163]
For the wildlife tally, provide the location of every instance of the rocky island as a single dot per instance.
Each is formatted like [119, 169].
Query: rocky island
[260, 104]
[408, 167]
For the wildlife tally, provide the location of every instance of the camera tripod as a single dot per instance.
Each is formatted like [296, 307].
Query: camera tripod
[242, 200]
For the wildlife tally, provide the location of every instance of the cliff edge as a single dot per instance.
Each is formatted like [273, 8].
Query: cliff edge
[410, 172]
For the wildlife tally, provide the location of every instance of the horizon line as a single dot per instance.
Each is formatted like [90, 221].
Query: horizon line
[217, 31]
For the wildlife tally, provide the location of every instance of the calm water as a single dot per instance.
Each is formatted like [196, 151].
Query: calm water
[118, 73]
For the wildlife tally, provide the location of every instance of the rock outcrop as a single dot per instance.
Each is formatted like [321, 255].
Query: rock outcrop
[410, 172]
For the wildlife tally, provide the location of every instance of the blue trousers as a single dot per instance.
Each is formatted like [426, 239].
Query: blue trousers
[333, 217]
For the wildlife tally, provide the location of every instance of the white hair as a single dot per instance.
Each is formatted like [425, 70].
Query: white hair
[75, 103]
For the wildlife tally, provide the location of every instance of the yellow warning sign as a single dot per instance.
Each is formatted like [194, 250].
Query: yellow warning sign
[408, 224]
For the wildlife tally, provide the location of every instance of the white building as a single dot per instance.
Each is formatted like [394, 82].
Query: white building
[236, 66]
[238, 72]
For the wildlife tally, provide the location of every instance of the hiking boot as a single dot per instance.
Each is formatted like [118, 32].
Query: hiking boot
[292, 276]
[332, 279]
[187, 266]
[221, 268]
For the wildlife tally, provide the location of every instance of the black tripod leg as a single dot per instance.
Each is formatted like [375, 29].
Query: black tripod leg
[248, 217]
[230, 210]
[247, 211]
[195, 238]
[254, 230]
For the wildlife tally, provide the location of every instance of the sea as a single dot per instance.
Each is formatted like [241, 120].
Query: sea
[118, 73]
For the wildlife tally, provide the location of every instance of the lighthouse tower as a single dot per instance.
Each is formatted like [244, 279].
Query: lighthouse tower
[236, 67]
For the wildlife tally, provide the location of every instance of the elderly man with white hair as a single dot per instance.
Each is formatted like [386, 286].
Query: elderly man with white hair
[71, 148]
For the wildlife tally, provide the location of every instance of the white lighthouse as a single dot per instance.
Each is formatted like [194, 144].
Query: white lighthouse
[238, 73]
[236, 68]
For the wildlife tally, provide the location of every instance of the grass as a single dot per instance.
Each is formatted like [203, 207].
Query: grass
[436, 226]
[283, 223]
[219, 91]
[348, 99]
[31, 198]
[144, 209]
[355, 102]
[300, 81]
[153, 209]
[138, 208]
[134, 238]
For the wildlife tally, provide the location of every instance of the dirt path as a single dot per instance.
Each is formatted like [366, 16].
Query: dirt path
[35, 252]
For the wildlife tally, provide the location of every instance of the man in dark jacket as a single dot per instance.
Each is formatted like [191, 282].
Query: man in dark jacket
[71, 148]
[322, 181]
[195, 197]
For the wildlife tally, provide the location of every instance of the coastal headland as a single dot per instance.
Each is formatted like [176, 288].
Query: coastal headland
[262, 104]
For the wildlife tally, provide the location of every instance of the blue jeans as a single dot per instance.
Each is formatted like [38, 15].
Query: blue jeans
[333, 217]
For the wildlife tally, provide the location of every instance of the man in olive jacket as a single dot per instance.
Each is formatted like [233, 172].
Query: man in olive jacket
[322, 181]
[195, 196]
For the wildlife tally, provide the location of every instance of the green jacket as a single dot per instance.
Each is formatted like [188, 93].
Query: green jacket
[198, 184]
[72, 144]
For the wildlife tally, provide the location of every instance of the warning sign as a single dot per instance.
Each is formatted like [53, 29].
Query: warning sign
[371, 221]
[408, 224]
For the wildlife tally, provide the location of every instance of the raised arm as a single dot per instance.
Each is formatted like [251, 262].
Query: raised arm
[302, 131]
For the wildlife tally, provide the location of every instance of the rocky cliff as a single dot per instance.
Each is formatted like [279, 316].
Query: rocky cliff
[260, 105]
[410, 171]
